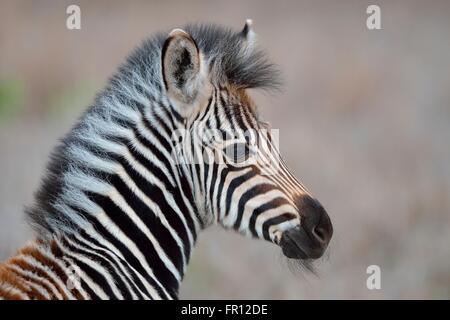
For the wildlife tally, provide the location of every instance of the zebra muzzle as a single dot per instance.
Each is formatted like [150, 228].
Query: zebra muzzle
[311, 238]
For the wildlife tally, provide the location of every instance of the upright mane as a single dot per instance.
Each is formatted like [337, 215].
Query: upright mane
[133, 88]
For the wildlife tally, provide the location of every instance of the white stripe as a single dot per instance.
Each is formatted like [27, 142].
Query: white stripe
[90, 230]
[14, 291]
[49, 255]
[116, 264]
[37, 287]
[269, 214]
[117, 198]
[87, 280]
[230, 177]
[101, 269]
[38, 265]
[154, 208]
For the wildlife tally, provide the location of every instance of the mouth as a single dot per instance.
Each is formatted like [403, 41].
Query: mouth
[297, 244]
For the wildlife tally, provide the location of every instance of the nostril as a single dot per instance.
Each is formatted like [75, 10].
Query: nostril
[316, 223]
[320, 233]
[323, 230]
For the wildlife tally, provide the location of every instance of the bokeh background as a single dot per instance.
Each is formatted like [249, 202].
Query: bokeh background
[364, 119]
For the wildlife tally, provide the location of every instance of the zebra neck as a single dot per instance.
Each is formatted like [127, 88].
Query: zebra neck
[115, 183]
[143, 213]
[67, 267]
[101, 271]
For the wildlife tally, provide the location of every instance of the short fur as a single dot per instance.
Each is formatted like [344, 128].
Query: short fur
[137, 84]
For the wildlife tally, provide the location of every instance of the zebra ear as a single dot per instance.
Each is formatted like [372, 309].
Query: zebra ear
[248, 33]
[181, 66]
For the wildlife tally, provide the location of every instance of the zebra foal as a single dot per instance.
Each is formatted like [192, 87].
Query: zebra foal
[172, 145]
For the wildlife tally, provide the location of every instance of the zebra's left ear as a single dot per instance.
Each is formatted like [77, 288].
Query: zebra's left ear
[182, 67]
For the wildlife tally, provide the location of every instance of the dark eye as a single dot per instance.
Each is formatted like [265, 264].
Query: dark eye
[237, 152]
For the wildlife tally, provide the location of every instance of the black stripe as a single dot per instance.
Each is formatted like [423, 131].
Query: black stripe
[234, 184]
[274, 221]
[164, 142]
[150, 219]
[247, 196]
[123, 221]
[91, 273]
[155, 193]
[274, 203]
[156, 152]
[130, 274]
[128, 255]
[178, 117]
[96, 276]
[101, 260]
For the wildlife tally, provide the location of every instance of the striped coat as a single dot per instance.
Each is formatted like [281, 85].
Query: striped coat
[173, 144]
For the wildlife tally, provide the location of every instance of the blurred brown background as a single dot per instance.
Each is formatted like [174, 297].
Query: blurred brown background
[364, 119]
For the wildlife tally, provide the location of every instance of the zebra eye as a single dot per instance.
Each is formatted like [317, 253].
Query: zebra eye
[237, 152]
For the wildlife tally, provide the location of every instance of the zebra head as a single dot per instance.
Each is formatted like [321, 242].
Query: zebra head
[228, 155]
